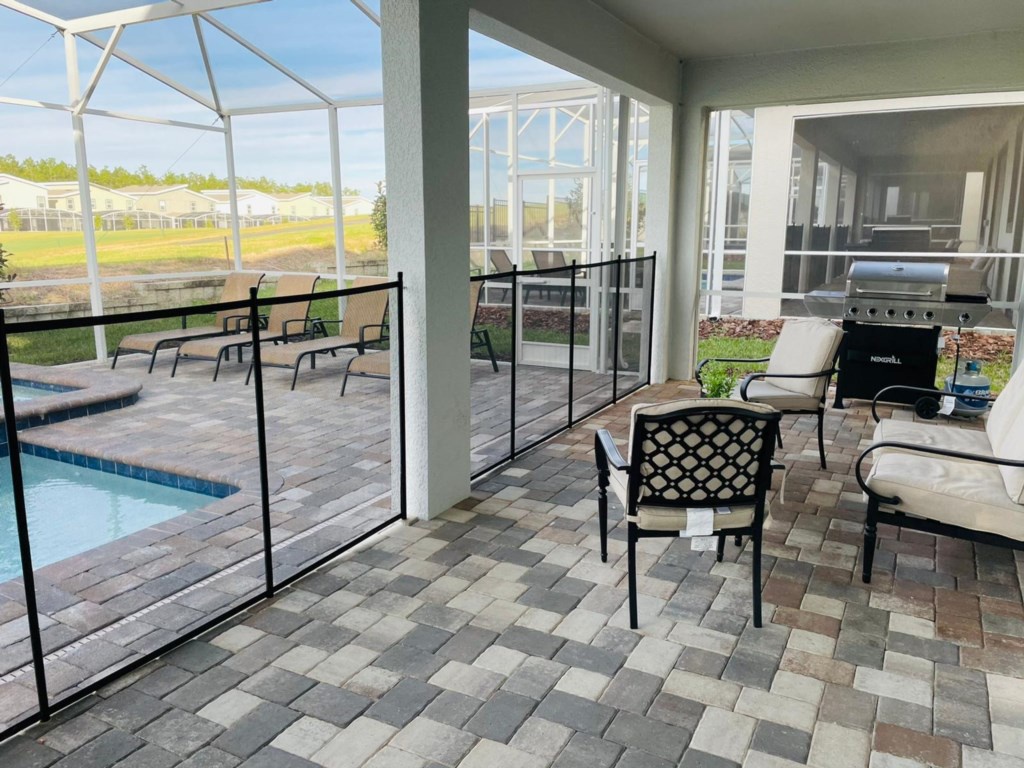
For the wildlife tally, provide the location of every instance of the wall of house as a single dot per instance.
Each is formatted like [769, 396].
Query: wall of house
[968, 64]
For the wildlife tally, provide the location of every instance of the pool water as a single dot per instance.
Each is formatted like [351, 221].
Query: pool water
[21, 392]
[72, 509]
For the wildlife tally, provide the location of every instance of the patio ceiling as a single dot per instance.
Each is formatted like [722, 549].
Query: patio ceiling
[720, 28]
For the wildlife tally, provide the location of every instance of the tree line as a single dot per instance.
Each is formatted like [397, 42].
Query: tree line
[51, 169]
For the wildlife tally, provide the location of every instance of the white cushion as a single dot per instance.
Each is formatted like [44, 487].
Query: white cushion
[805, 345]
[970, 495]
[652, 518]
[761, 391]
[1005, 428]
[932, 436]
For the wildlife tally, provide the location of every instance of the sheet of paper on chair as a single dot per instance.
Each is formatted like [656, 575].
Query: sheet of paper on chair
[703, 543]
[699, 522]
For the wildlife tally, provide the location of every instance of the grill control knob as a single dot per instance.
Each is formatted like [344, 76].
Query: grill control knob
[872, 311]
[909, 314]
[852, 311]
[965, 318]
[890, 313]
[929, 315]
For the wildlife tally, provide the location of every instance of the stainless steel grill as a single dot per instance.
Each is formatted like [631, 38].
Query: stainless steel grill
[897, 293]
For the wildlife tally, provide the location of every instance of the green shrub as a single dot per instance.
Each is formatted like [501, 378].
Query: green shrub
[718, 380]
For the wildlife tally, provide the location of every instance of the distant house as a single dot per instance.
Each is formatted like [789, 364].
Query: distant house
[171, 199]
[304, 205]
[65, 196]
[351, 205]
[251, 202]
[16, 192]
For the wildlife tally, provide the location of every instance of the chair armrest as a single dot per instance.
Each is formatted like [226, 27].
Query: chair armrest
[707, 360]
[765, 375]
[235, 321]
[284, 326]
[607, 453]
[384, 328]
[938, 393]
[930, 451]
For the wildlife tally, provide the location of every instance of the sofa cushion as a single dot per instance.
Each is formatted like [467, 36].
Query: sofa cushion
[805, 345]
[932, 436]
[1005, 428]
[968, 494]
[654, 518]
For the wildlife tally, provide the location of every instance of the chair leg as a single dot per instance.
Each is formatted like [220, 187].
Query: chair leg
[490, 349]
[152, 358]
[631, 537]
[113, 363]
[177, 357]
[295, 373]
[870, 539]
[721, 547]
[220, 356]
[249, 374]
[738, 541]
[756, 578]
[602, 512]
[821, 437]
[344, 381]
[778, 439]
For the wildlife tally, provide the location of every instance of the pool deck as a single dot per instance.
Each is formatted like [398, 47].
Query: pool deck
[494, 635]
[330, 481]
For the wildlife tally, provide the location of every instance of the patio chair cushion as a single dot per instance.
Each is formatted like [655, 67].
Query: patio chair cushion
[148, 342]
[932, 435]
[654, 518]
[761, 391]
[212, 347]
[805, 345]
[966, 494]
[1005, 429]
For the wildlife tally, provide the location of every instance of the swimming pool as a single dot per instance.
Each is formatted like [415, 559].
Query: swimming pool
[29, 390]
[73, 508]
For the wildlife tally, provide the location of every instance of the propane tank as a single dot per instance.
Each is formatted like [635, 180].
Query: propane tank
[968, 380]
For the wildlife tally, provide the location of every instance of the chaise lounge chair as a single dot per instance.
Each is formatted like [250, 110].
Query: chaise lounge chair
[362, 324]
[236, 288]
[286, 320]
[377, 365]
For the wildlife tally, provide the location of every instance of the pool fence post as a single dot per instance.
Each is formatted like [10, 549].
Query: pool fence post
[572, 334]
[21, 522]
[403, 495]
[615, 333]
[261, 438]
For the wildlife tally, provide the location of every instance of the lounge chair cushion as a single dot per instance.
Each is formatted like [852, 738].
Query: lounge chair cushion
[761, 391]
[211, 348]
[967, 494]
[805, 345]
[287, 355]
[372, 363]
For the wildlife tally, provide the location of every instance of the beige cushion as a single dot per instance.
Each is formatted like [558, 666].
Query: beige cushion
[147, 342]
[288, 354]
[967, 494]
[760, 391]
[932, 436]
[1005, 428]
[805, 345]
[652, 518]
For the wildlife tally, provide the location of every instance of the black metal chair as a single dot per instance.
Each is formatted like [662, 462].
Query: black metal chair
[799, 371]
[688, 454]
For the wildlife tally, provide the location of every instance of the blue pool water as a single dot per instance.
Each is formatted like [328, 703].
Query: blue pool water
[21, 392]
[72, 509]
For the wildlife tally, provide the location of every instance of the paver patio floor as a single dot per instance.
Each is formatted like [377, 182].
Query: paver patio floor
[495, 636]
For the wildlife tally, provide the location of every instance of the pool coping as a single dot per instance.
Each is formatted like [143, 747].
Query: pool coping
[87, 393]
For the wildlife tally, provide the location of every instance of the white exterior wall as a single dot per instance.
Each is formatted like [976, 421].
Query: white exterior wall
[21, 193]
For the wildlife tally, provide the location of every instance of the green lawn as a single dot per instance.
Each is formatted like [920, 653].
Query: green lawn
[721, 374]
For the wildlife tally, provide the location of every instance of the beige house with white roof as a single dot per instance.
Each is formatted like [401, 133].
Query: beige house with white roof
[170, 199]
[65, 196]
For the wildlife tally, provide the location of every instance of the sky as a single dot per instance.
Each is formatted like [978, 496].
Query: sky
[328, 42]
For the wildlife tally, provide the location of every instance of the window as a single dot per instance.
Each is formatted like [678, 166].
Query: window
[293, 210]
[41, 201]
[131, 205]
[192, 206]
[109, 204]
[71, 203]
[163, 205]
[211, 207]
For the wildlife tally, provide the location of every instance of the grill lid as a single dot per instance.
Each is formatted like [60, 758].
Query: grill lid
[897, 280]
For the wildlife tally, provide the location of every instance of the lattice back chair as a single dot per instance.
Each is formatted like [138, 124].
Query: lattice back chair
[687, 454]
[479, 337]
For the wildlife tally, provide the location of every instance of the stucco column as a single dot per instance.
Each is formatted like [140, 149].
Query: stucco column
[663, 156]
[426, 102]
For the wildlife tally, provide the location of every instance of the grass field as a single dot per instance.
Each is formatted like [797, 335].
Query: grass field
[49, 255]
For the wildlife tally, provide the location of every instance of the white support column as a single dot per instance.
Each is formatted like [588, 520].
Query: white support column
[425, 46]
[92, 265]
[663, 153]
[719, 211]
[805, 206]
[229, 152]
[339, 209]
[770, 167]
